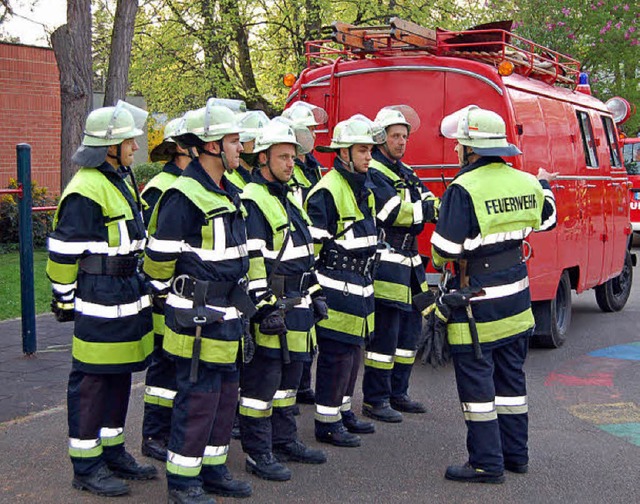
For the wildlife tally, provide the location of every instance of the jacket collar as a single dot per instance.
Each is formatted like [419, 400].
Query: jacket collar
[196, 171]
[172, 168]
[483, 161]
[276, 187]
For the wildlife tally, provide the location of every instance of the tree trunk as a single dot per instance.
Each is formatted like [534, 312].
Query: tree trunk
[72, 47]
[120, 54]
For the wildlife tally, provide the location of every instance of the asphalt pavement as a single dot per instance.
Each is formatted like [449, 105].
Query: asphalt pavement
[576, 454]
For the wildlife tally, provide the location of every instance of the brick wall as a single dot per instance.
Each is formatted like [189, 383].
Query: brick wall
[30, 112]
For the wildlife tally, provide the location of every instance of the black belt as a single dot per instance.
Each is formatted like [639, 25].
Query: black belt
[233, 293]
[497, 262]
[122, 266]
[403, 241]
[281, 284]
[334, 260]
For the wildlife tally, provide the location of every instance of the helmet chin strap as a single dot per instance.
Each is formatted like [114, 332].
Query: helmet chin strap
[118, 155]
[465, 156]
[352, 167]
[222, 156]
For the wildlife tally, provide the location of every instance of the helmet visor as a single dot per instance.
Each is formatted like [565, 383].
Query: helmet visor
[139, 118]
[234, 105]
[449, 125]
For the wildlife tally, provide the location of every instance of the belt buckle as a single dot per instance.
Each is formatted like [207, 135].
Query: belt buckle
[179, 284]
[303, 279]
[368, 266]
[332, 257]
[404, 245]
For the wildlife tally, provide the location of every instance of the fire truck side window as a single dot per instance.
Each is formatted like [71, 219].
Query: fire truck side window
[632, 158]
[588, 142]
[612, 142]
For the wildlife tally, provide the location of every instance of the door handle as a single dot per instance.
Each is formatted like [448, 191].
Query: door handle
[591, 186]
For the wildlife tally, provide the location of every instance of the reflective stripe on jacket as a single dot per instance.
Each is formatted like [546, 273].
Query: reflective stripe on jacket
[399, 198]
[488, 209]
[333, 206]
[272, 213]
[98, 215]
[199, 231]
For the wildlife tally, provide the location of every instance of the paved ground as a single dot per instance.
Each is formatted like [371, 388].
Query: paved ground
[576, 454]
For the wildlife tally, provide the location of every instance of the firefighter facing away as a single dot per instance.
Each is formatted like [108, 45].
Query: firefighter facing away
[98, 235]
[160, 387]
[486, 213]
[197, 257]
[342, 211]
[288, 297]
[403, 206]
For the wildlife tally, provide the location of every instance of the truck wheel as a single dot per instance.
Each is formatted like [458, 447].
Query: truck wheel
[614, 293]
[553, 317]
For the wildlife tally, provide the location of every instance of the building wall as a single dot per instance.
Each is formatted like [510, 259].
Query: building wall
[30, 112]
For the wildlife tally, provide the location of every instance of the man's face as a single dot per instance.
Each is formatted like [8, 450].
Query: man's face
[127, 149]
[360, 156]
[396, 144]
[459, 150]
[280, 159]
[249, 145]
[232, 149]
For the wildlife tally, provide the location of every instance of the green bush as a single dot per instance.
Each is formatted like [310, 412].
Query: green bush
[144, 172]
[42, 221]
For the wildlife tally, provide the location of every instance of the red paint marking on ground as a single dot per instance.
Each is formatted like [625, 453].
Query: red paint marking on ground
[590, 380]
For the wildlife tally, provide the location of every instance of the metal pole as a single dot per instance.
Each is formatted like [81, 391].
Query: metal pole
[25, 230]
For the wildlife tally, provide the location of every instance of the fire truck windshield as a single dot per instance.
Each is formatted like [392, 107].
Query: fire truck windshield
[632, 158]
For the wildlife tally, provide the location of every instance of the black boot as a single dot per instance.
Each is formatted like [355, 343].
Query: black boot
[101, 482]
[191, 495]
[355, 425]
[266, 466]
[336, 434]
[125, 466]
[220, 482]
[306, 396]
[406, 404]
[154, 448]
[297, 451]
[467, 473]
[516, 468]
[382, 412]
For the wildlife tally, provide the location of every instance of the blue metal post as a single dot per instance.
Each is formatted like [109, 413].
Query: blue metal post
[25, 226]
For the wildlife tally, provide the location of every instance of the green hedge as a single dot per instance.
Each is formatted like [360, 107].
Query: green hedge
[42, 221]
[144, 172]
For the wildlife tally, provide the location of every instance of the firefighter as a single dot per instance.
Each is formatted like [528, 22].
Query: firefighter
[342, 211]
[98, 235]
[403, 206]
[250, 122]
[288, 296]
[306, 174]
[160, 386]
[197, 257]
[486, 213]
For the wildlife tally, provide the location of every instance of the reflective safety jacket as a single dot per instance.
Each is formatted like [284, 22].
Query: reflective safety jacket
[487, 211]
[157, 186]
[305, 175]
[399, 198]
[151, 194]
[98, 216]
[198, 230]
[235, 181]
[342, 211]
[273, 213]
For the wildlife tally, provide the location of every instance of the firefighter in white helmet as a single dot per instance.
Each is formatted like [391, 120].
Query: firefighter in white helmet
[403, 206]
[98, 235]
[486, 213]
[284, 287]
[342, 211]
[197, 258]
[160, 387]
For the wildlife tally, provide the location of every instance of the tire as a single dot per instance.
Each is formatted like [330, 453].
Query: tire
[553, 317]
[612, 295]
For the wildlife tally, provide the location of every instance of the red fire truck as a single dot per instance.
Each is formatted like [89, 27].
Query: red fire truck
[631, 156]
[362, 69]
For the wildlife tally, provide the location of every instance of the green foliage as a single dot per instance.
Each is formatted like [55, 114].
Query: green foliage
[10, 284]
[42, 221]
[144, 172]
[602, 34]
